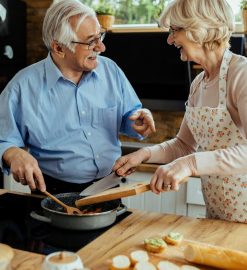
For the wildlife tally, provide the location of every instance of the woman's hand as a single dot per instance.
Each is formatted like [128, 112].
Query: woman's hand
[170, 176]
[127, 164]
[25, 168]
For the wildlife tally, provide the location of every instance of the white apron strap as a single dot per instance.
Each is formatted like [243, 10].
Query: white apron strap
[223, 78]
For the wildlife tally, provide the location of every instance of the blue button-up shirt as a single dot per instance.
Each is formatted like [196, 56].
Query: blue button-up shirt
[72, 130]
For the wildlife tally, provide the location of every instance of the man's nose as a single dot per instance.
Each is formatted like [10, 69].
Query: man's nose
[100, 47]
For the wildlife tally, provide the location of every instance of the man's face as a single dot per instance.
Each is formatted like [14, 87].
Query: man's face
[85, 58]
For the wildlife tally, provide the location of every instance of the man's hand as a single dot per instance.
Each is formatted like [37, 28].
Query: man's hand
[25, 168]
[144, 122]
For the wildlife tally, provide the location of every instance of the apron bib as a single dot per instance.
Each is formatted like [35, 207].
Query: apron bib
[213, 128]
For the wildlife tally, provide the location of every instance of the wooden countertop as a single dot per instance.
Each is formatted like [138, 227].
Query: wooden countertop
[139, 225]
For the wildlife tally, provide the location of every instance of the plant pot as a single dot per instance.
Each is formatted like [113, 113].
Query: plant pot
[244, 16]
[106, 21]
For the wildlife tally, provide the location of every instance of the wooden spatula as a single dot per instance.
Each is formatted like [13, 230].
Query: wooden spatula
[114, 193]
[70, 210]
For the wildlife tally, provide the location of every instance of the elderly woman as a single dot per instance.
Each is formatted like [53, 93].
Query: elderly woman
[211, 142]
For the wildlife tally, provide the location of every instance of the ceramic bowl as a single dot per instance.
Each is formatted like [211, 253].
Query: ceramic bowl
[63, 260]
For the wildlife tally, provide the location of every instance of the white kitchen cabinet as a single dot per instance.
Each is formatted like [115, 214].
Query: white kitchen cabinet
[182, 202]
[10, 184]
[194, 198]
[196, 211]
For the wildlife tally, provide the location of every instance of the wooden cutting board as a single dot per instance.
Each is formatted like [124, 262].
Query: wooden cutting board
[115, 193]
[207, 254]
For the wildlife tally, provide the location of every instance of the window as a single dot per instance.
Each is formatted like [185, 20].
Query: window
[132, 11]
[144, 11]
[235, 4]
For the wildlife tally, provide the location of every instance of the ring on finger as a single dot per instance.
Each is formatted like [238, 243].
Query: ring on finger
[168, 187]
[22, 180]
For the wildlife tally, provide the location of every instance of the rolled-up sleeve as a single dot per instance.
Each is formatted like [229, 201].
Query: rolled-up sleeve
[131, 103]
[10, 135]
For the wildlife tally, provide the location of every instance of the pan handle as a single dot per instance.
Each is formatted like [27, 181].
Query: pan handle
[121, 209]
[38, 217]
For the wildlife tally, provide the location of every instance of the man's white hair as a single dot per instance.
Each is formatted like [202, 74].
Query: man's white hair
[56, 25]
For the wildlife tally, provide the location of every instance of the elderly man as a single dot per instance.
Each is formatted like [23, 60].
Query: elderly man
[60, 118]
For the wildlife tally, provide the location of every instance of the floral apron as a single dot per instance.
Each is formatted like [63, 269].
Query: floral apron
[213, 128]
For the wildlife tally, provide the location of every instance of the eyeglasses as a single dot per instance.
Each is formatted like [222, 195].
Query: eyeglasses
[92, 44]
[172, 31]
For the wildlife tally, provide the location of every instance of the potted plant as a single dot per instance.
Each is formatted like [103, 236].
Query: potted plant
[243, 5]
[106, 15]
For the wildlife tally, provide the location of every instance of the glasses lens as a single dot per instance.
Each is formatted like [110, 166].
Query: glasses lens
[95, 42]
[171, 31]
[102, 36]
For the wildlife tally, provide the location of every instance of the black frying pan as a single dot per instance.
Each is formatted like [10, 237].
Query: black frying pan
[92, 219]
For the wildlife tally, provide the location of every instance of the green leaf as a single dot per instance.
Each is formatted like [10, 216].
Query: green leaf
[243, 4]
[104, 8]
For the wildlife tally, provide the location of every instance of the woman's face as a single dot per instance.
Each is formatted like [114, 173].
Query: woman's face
[188, 49]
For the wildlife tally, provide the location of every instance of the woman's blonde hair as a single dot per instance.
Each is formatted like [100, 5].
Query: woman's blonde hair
[207, 22]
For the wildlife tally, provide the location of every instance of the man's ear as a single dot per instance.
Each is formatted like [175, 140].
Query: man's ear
[58, 49]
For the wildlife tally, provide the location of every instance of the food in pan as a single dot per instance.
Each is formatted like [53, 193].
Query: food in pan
[138, 256]
[164, 265]
[120, 262]
[91, 211]
[155, 245]
[144, 266]
[173, 238]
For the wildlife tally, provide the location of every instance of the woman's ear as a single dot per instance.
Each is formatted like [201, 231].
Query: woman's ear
[58, 49]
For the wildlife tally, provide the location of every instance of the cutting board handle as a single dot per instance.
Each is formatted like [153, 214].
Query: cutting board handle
[115, 193]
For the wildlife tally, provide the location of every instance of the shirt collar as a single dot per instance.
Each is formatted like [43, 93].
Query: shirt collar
[96, 72]
[53, 74]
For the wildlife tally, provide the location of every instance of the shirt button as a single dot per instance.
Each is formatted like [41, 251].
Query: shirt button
[89, 133]
[97, 156]
[83, 112]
